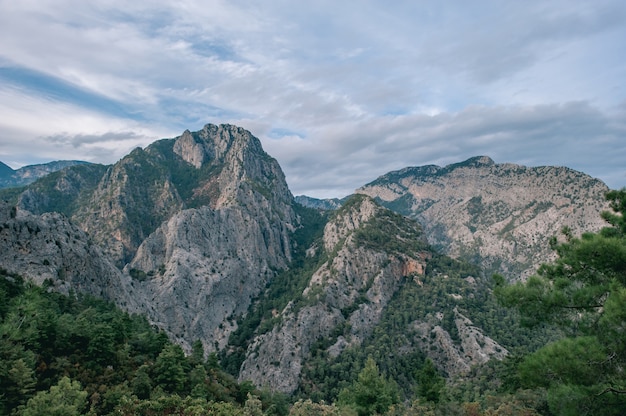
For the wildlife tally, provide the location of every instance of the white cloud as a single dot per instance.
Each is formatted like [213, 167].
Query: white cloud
[365, 86]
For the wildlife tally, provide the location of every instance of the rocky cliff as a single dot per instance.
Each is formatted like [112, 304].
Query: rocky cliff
[50, 250]
[498, 215]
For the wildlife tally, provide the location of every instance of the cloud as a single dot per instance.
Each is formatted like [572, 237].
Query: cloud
[338, 93]
[564, 134]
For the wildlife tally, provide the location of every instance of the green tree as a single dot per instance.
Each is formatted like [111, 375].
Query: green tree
[584, 291]
[66, 398]
[430, 383]
[197, 354]
[309, 408]
[371, 393]
[142, 384]
[170, 369]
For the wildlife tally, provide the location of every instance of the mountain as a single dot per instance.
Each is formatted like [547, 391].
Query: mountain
[10, 178]
[5, 171]
[324, 204]
[201, 234]
[500, 216]
[199, 223]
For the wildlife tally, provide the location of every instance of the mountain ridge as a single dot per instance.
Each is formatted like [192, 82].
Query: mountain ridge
[11, 178]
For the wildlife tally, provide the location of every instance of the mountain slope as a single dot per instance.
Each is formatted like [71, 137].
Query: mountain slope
[498, 215]
[49, 249]
[370, 254]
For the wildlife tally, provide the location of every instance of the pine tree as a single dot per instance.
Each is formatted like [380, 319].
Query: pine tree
[584, 291]
[371, 393]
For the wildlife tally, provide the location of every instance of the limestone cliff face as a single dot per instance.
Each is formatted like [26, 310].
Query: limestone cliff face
[200, 270]
[344, 298]
[474, 347]
[500, 215]
[48, 248]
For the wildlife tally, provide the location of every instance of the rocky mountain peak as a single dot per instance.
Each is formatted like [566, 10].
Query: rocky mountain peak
[348, 218]
[213, 143]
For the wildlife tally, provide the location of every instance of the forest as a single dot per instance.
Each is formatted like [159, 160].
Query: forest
[565, 328]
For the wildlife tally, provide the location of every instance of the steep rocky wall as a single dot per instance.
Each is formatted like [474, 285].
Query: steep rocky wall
[201, 269]
[48, 248]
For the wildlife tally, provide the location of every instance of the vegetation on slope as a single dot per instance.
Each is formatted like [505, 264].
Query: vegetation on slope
[70, 355]
[583, 291]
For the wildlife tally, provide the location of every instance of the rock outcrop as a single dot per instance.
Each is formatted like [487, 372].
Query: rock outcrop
[49, 249]
[454, 358]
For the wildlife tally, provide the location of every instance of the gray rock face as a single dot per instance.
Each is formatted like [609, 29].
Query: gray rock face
[499, 215]
[352, 287]
[48, 248]
[452, 357]
[201, 269]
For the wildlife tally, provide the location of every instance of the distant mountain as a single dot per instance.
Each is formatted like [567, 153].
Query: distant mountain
[10, 178]
[324, 204]
[500, 216]
[5, 171]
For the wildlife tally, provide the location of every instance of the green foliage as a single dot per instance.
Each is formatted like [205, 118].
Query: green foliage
[69, 355]
[170, 369]
[392, 233]
[309, 408]
[584, 291]
[372, 393]
[429, 383]
[66, 398]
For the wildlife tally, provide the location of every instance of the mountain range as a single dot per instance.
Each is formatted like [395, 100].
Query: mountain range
[201, 234]
[10, 178]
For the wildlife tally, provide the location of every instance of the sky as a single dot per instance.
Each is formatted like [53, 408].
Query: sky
[339, 92]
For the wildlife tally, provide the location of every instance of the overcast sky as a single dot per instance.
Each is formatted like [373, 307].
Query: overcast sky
[339, 92]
